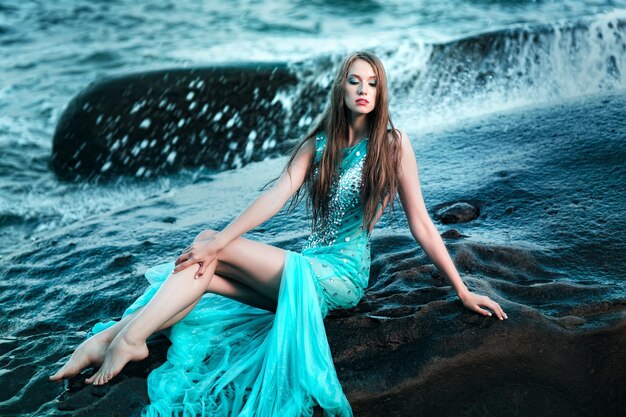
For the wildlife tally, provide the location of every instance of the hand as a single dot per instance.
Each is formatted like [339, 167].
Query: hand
[203, 251]
[474, 301]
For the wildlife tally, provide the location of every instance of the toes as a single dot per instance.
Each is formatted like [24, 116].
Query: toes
[91, 379]
[60, 374]
[100, 378]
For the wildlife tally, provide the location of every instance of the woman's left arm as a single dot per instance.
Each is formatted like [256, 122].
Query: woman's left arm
[427, 235]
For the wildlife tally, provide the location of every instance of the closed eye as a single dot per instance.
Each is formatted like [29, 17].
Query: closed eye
[354, 82]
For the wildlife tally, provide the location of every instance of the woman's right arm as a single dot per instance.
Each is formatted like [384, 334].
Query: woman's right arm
[204, 251]
[271, 201]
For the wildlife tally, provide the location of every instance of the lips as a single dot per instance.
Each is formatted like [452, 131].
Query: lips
[361, 101]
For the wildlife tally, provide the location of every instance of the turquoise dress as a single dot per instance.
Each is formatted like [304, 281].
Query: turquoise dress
[231, 359]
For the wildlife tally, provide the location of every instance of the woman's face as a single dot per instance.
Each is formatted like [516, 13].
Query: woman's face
[360, 87]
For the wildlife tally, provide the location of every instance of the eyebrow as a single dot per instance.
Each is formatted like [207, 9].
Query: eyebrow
[354, 75]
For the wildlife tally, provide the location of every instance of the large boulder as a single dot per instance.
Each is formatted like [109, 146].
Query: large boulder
[155, 122]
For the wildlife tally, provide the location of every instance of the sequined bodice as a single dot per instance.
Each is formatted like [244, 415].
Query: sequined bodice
[345, 212]
[338, 250]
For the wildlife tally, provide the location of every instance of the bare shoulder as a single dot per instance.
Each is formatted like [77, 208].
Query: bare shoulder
[401, 137]
[304, 156]
[308, 146]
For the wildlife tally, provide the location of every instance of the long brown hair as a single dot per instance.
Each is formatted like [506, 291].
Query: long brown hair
[379, 180]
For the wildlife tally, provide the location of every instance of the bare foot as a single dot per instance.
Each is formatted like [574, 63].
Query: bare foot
[91, 351]
[120, 352]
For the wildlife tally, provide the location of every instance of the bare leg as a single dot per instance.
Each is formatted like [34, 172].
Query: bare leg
[92, 351]
[178, 292]
[254, 270]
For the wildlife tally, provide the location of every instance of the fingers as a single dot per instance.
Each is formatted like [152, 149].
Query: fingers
[497, 309]
[184, 255]
[483, 311]
[474, 302]
[484, 301]
[184, 265]
[502, 313]
[182, 258]
[200, 272]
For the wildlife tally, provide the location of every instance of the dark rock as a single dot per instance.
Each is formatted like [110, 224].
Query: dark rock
[149, 123]
[453, 234]
[460, 212]
[122, 260]
[413, 364]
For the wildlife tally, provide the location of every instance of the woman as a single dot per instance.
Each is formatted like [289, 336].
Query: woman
[245, 318]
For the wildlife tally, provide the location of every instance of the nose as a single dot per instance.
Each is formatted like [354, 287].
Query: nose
[362, 89]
